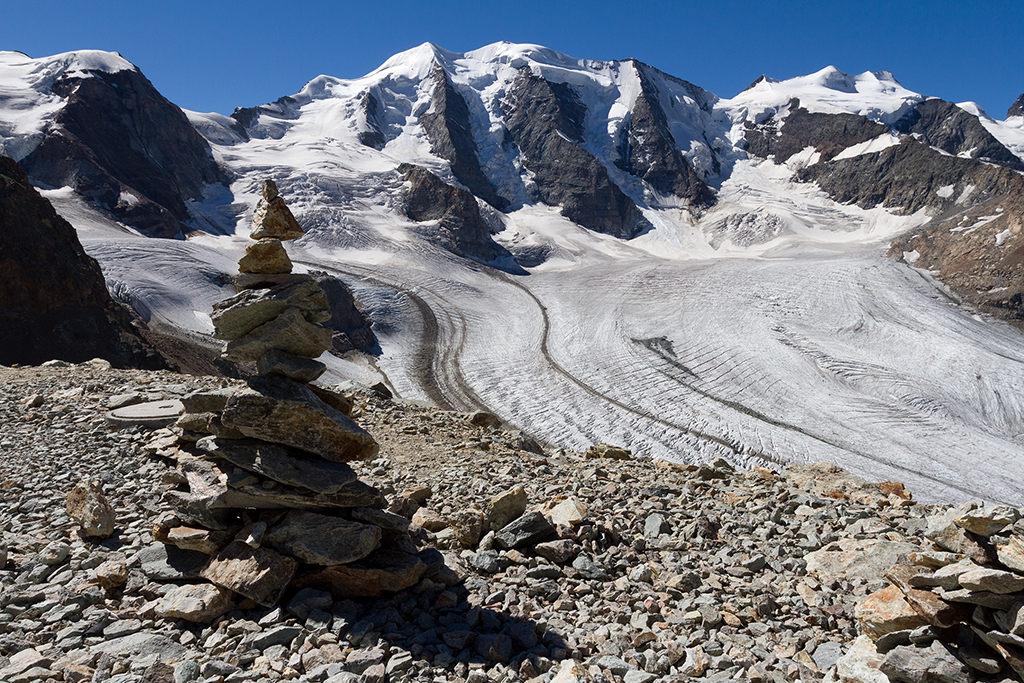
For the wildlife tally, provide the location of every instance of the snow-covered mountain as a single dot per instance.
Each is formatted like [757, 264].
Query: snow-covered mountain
[602, 251]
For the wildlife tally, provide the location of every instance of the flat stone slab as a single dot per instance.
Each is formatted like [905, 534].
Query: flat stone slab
[154, 414]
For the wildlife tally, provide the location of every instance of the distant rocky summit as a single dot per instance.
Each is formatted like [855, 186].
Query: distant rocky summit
[1017, 108]
[53, 299]
[119, 143]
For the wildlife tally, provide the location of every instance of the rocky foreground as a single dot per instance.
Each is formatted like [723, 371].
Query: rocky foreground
[557, 565]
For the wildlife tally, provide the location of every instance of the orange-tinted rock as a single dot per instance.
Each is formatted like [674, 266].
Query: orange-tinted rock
[886, 611]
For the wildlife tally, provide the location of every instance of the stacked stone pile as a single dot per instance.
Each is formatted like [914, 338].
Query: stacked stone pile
[265, 498]
[273, 319]
[954, 610]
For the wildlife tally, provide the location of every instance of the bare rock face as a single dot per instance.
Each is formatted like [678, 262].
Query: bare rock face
[87, 505]
[352, 329]
[53, 299]
[649, 151]
[545, 120]
[829, 134]
[946, 126]
[120, 143]
[449, 129]
[1017, 108]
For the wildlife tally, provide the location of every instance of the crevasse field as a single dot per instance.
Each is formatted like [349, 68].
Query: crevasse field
[771, 330]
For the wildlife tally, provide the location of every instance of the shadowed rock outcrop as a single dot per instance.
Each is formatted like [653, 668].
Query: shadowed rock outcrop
[545, 121]
[120, 143]
[649, 151]
[449, 130]
[460, 228]
[352, 329]
[53, 300]
[946, 126]
[974, 242]
[829, 134]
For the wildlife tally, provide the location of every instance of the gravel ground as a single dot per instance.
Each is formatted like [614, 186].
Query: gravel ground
[663, 572]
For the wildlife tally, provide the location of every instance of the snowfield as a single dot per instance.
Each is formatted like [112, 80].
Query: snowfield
[770, 330]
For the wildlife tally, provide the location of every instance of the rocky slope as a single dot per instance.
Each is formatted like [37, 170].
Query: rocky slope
[622, 569]
[53, 299]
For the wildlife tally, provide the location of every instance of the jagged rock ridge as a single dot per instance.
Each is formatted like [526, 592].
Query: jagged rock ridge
[449, 130]
[545, 120]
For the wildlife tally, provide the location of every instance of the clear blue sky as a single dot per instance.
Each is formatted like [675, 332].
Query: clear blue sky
[215, 56]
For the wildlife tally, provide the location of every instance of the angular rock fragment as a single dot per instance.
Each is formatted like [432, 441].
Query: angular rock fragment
[265, 256]
[886, 611]
[323, 540]
[194, 602]
[290, 414]
[530, 529]
[504, 508]
[87, 505]
[385, 571]
[278, 362]
[200, 540]
[162, 562]
[986, 521]
[260, 574]
[272, 217]
[289, 332]
[281, 464]
[917, 664]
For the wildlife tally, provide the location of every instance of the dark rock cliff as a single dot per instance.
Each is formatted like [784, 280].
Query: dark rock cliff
[908, 177]
[649, 151]
[53, 300]
[120, 143]
[1017, 108]
[946, 126]
[448, 128]
[460, 228]
[545, 120]
[829, 134]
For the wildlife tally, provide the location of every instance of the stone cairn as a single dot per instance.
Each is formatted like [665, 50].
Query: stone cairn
[953, 612]
[265, 500]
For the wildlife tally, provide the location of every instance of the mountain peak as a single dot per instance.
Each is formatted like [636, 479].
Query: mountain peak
[78, 62]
